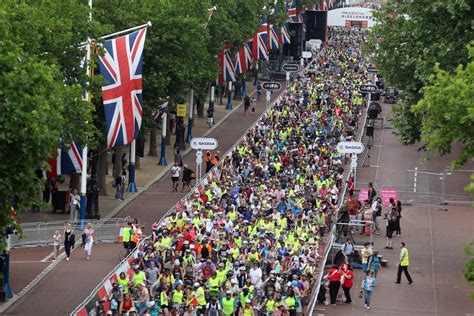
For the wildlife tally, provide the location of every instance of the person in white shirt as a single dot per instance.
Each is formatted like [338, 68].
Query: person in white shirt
[175, 172]
[255, 275]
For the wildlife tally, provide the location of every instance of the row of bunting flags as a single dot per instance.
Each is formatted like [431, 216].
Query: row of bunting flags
[268, 37]
[121, 67]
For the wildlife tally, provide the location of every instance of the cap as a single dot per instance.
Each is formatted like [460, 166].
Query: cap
[228, 293]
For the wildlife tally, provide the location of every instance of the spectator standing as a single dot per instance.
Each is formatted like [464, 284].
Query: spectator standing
[57, 238]
[69, 240]
[368, 286]
[365, 254]
[119, 186]
[334, 276]
[178, 158]
[398, 230]
[210, 115]
[88, 240]
[403, 264]
[371, 193]
[347, 276]
[268, 98]
[175, 173]
[74, 204]
[374, 262]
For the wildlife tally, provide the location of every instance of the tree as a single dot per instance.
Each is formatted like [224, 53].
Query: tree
[32, 101]
[447, 110]
[468, 271]
[407, 41]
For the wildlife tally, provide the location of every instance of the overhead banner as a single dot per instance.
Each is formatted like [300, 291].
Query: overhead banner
[351, 16]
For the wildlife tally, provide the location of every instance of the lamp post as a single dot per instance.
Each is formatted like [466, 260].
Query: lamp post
[190, 118]
[163, 140]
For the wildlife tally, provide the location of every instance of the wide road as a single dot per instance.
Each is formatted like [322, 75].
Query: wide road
[66, 286]
[435, 239]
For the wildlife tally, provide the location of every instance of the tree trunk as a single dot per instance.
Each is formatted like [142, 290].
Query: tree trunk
[199, 107]
[75, 181]
[102, 170]
[118, 161]
[152, 151]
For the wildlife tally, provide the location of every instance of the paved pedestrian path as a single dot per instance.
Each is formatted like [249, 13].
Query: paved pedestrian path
[435, 240]
[149, 207]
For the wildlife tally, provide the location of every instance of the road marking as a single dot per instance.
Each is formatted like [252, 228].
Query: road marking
[377, 166]
[38, 261]
[432, 257]
[45, 259]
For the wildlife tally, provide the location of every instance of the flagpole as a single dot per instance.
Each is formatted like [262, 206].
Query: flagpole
[163, 140]
[84, 149]
[190, 118]
[119, 32]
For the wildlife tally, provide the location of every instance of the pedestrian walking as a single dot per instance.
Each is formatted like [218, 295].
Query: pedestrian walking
[377, 212]
[187, 177]
[57, 238]
[253, 105]
[259, 91]
[371, 193]
[74, 204]
[246, 104]
[175, 173]
[334, 276]
[368, 287]
[69, 240]
[210, 115]
[365, 254]
[88, 240]
[374, 262]
[178, 158]
[403, 264]
[347, 277]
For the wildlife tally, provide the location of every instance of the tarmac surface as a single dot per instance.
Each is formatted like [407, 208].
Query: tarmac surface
[434, 237]
[69, 283]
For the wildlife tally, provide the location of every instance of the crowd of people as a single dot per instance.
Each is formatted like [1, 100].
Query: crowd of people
[248, 243]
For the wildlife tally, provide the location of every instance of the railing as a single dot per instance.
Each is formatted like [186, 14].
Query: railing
[41, 233]
[315, 290]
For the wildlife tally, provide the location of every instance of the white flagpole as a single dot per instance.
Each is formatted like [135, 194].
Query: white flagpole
[84, 148]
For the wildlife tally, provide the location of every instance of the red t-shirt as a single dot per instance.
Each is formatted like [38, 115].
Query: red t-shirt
[348, 279]
[334, 275]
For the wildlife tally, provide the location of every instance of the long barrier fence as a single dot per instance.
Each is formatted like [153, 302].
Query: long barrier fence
[41, 233]
[105, 286]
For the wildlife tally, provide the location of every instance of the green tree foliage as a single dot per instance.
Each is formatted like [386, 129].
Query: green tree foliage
[447, 108]
[468, 271]
[408, 39]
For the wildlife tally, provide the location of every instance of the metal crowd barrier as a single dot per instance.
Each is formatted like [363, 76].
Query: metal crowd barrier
[41, 233]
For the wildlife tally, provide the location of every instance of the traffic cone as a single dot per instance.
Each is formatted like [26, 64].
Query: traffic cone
[120, 236]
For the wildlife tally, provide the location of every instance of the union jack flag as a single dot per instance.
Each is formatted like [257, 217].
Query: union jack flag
[260, 50]
[273, 41]
[243, 60]
[227, 71]
[66, 161]
[284, 34]
[121, 66]
[294, 15]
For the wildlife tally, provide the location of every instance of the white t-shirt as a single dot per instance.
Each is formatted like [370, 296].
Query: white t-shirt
[175, 171]
[255, 275]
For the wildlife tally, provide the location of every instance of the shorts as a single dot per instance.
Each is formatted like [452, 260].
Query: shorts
[389, 232]
[126, 244]
[175, 179]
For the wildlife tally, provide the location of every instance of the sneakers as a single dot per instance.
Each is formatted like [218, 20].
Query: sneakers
[67, 258]
[368, 307]
[365, 306]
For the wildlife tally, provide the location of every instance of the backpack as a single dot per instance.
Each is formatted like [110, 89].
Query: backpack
[213, 310]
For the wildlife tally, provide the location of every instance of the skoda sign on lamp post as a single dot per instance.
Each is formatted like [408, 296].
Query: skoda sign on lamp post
[200, 144]
[353, 148]
[271, 85]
